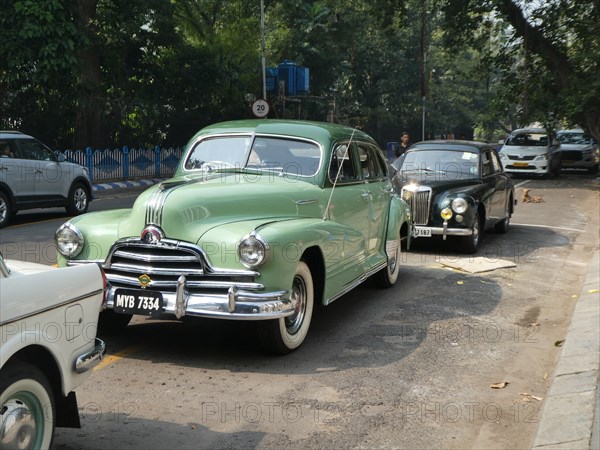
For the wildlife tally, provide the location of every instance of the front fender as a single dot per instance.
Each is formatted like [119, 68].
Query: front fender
[288, 240]
[100, 231]
[399, 216]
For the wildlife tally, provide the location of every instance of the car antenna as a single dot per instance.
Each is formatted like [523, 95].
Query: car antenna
[338, 174]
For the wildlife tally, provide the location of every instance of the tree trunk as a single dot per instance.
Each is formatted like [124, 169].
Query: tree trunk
[570, 80]
[88, 128]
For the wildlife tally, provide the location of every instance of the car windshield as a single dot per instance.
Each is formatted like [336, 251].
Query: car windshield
[528, 139]
[451, 163]
[574, 138]
[290, 156]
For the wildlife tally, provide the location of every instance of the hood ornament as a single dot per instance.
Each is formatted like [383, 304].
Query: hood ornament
[152, 235]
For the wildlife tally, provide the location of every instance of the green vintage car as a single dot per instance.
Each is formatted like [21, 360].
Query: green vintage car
[262, 219]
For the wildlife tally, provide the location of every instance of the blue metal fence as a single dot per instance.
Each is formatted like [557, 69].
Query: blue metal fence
[127, 163]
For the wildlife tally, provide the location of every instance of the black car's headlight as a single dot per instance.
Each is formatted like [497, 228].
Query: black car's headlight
[459, 205]
[252, 250]
[69, 240]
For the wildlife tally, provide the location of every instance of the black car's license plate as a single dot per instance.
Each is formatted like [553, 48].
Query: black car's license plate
[133, 301]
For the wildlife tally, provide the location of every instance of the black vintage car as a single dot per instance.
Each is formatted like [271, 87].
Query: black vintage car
[455, 188]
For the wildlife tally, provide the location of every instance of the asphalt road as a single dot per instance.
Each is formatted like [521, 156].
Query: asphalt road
[408, 367]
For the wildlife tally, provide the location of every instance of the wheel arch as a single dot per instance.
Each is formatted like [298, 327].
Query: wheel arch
[313, 257]
[42, 358]
[9, 193]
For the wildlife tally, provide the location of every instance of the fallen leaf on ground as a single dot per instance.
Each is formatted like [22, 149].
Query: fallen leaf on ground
[545, 376]
[529, 397]
[499, 385]
[460, 282]
[559, 343]
[592, 291]
[534, 324]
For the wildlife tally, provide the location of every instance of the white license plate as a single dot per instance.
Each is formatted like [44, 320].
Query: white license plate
[422, 232]
[133, 301]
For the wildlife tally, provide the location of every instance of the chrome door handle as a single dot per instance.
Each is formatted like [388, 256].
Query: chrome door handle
[366, 194]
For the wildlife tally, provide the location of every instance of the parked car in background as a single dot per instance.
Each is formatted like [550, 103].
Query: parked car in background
[531, 151]
[578, 150]
[48, 322]
[262, 219]
[32, 176]
[455, 189]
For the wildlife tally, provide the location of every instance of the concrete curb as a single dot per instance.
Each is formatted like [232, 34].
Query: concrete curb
[126, 184]
[569, 417]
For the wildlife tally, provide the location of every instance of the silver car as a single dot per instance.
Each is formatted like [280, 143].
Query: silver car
[579, 151]
[531, 151]
[32, 176]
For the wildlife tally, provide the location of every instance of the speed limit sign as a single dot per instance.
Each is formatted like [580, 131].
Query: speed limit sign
[260, 108]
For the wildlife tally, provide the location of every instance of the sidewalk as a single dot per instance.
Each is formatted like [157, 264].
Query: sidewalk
[125, 184]
[570, 415]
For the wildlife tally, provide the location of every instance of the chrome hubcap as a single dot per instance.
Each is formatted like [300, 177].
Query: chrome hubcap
[298, 297]
[18, 428]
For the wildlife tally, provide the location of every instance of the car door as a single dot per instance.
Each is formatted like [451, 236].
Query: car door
[348, 207]
[495, 186]
[47, 175]
[378, 189]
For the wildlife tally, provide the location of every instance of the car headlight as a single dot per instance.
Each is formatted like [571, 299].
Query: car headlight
[502, 155]
[69, 240]
[252, 250]
[459, 205]
[542, 157]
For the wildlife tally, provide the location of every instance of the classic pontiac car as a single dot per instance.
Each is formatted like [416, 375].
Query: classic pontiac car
[48, 323]
[455, 188]
[262, 219]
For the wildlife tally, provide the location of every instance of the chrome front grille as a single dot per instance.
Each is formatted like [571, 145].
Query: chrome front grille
[419, 201]
[164, 262]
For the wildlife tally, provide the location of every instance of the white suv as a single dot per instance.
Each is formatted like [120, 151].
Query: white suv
[32, 176]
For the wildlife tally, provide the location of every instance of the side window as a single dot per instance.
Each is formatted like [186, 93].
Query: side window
[496, 162]
[32, 149]
[486, 164]
[7, 149]
[342, 162]
[369, 164]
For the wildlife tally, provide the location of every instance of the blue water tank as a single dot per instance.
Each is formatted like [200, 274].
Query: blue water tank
[302, 80]
[286, 71]
[271, 79]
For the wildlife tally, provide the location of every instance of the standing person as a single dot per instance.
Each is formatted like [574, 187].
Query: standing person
[404, 144]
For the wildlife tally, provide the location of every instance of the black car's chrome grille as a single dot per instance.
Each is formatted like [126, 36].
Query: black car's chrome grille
[163, 263]
[419, 202]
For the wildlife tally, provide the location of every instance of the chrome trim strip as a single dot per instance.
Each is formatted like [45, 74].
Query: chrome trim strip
[305, 202]
[151, 258]
[131, 281]
[151, 270]
[90, 359]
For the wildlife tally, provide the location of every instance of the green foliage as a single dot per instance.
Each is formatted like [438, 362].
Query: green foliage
[146, 72]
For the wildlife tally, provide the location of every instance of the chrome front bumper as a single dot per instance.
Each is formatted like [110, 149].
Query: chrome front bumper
[445, 231]
[236, 304]
[90, 359]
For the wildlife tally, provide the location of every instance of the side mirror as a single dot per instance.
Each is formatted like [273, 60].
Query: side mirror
[555, 142]
[61, 157]
[501, 141]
